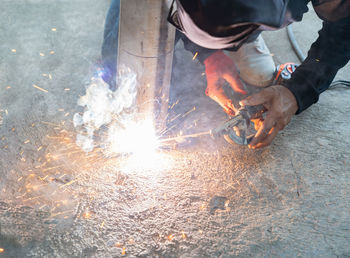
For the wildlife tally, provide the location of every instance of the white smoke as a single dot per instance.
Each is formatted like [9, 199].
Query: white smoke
[105, 108]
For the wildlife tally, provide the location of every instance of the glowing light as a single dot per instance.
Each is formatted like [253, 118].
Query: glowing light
[123, 251]
[138, 138]
[87, 215]
[2, 250]
[171, 237]
[37, 87]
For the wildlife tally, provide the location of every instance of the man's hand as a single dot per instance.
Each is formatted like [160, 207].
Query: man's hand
[280, 104]
[218, 68]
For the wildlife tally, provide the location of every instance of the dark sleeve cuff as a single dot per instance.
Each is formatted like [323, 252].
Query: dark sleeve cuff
[309, 80]
[305, 94]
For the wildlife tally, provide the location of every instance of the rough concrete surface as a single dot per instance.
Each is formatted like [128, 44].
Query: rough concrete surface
[290, 199]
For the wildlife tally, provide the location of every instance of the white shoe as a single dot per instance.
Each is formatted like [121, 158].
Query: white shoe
[254, 62]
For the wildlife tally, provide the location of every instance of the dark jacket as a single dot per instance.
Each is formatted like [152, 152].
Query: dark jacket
[329, 53]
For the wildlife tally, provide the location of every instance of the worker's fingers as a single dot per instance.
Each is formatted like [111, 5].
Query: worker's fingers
[216, 93]
[268, 139]
[262, 97]
[263, 131]
[257, 123]
[235, 82]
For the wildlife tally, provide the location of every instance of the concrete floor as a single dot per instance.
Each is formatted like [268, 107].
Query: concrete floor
[291, 199]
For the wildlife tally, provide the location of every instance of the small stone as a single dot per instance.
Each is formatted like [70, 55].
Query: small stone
[217, 202]
[322, 141]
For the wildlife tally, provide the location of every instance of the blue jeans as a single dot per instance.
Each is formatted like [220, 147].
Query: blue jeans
[110, 44]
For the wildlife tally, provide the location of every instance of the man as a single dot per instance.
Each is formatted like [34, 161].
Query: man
[211, 26]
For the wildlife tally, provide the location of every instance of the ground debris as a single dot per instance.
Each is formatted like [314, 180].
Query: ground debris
[217, 202]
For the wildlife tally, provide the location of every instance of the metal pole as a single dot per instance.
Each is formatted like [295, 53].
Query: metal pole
[146, 44]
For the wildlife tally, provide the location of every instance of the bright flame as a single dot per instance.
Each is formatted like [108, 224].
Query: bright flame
[137, 138]
[131, 138]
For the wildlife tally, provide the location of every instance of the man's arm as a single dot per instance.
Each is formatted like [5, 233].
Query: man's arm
[329, 53]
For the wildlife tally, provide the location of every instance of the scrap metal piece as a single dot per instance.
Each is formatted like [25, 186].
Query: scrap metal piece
[236, 129]
[226, 127]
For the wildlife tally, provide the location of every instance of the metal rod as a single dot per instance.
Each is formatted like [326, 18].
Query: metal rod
[185, 136]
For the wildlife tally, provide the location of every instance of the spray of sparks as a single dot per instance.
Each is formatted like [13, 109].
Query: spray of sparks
[110, 122]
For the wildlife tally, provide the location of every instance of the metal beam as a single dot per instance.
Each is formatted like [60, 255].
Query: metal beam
[146, 43]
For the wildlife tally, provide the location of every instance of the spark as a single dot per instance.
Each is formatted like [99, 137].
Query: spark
[174, 118]
[195, 55]
[52, 52]
[190, 111]
[60, 213]
[69, 183]
[41, 54]
[171, 237]
[27, 141]
[51, 168]
[102, 224]
[13, 50]
[49, 123]
[123, 251]
[86, 215]
[37, 87]
[20, 196]
[181, 137]
[183, 235]
[2, 250]
[53, 29]
[33, 198]
[67, 89]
